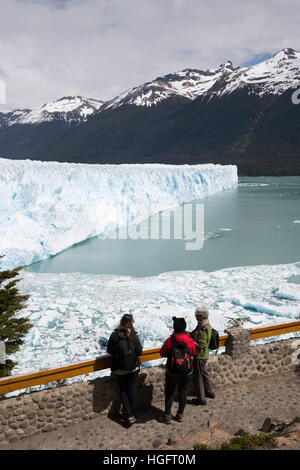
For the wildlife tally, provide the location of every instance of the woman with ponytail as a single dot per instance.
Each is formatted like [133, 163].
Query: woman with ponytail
[125, 348]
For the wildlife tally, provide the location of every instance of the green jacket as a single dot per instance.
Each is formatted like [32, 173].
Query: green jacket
[202, 340]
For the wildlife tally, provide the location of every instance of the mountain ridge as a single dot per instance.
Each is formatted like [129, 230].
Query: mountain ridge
[192, 83]
[68, 108]
[240, 115]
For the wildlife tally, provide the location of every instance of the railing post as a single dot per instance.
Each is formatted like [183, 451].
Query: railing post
[238, 342]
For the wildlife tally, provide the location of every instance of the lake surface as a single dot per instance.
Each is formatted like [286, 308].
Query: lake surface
[256, 223]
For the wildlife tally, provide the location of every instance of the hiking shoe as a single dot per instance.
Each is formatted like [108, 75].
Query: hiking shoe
[210, 395]
[131, 420]
[168, 419]
[179, 417]
[198, 401]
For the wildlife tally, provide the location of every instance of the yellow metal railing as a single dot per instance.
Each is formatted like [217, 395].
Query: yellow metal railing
[20, 382]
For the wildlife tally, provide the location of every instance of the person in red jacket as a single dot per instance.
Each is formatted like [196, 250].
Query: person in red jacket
[177, 377]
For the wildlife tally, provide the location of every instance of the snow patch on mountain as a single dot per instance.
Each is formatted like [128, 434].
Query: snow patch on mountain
[11, 117]
[273, 76]
[188, 83]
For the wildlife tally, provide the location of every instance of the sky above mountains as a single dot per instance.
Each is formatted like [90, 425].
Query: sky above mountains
[99, 48]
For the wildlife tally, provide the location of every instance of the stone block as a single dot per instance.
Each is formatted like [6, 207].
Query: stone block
[21, 417]
[24, 425]
[5, 414]
[42, 419]
[10, 406]
[48, 427]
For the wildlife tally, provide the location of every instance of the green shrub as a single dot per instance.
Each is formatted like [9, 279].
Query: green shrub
[13, 328]
[250, 442]
[245, 442]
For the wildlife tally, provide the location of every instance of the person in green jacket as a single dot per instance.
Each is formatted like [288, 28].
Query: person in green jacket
[201, 335]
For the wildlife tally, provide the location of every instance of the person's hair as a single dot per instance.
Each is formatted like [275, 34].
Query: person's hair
[126, 327]
[179, 325]
[201, 311]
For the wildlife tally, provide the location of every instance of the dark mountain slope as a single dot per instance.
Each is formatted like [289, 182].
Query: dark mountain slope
[258, 134]
[23, 140]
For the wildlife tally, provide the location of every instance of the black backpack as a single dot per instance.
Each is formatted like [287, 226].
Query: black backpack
[126, 354]
[180, 359]
[214, 340]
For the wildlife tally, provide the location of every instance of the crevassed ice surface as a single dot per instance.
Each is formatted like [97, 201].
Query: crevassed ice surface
[74, 314]
[46, 207]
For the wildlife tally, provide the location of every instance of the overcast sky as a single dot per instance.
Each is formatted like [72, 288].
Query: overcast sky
[100, 48]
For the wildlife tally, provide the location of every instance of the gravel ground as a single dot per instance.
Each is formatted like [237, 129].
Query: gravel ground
[235, 407]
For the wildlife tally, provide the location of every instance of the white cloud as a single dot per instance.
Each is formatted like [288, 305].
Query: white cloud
[99, 48]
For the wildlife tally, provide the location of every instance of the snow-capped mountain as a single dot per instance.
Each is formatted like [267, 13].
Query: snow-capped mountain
[11, 117]
[272, 76]
[25, 131]
[188, 83]
[71, 109]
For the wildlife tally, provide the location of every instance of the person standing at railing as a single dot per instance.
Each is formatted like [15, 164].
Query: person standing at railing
[125, 348]
[179, 348]
[202, 336]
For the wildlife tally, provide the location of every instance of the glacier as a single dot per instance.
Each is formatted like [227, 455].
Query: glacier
[46, 207]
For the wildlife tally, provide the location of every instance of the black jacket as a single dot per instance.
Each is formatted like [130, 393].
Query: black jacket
[112, 346]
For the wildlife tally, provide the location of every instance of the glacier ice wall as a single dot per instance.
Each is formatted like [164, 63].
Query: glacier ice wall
[46, 207]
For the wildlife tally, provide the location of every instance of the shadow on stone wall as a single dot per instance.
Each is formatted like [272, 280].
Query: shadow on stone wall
[145, 391]
[106, 394]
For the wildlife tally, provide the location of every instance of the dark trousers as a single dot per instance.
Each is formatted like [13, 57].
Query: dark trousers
[127, 384]
[202, 382]
[171, 384]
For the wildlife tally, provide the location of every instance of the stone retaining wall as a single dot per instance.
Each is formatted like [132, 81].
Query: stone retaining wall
[29, 414]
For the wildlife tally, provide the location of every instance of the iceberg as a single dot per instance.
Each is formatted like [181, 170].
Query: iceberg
[288, 291]
[46, 207]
